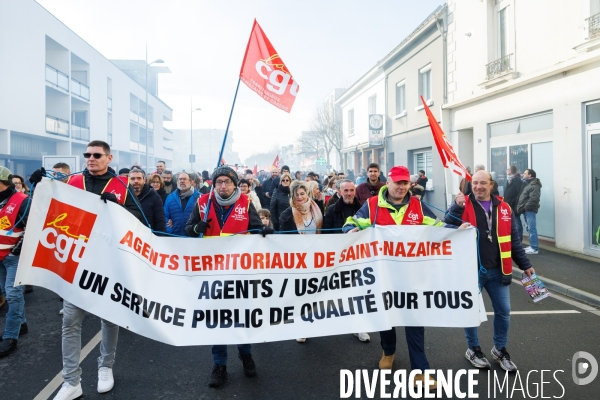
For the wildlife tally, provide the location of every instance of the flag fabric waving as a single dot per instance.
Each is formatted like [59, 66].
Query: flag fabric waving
[255, 171]
[276, 162]
[264, 72]
[449, 158]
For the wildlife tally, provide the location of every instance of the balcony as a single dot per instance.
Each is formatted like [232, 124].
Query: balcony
[133, 146]
[80, 133]
[594, 26]
[57, 78]
[168, 131]
[498, 67]
[133, 116]
[109, 103]
[57, 126]
[168, 147]
[80, 89]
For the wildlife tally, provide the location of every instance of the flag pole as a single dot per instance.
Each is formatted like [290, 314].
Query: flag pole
[222, 150]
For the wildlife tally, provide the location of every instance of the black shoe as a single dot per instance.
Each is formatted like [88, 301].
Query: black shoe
[249, 366]
[23, 330]
[7, 346]
[217, 376]
[28, 288]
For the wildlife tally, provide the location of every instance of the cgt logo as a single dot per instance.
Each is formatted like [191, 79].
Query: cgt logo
[63, 240]
[239, 213]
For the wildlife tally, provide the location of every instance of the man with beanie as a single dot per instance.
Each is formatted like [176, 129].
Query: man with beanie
[229, 212]
[13, 210]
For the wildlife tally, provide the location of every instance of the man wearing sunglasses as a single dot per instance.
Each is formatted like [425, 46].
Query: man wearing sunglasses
[100, 179]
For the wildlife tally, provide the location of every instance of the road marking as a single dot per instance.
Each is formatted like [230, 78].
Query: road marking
[541, 312]
[57, 381]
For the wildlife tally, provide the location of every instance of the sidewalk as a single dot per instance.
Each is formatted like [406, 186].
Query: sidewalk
[572, 275]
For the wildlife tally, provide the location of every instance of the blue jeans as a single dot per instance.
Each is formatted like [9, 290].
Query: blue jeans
[532, 229]
[415, 340]
[500, 296]
[219, 352]
[15, 316]
[520, 227]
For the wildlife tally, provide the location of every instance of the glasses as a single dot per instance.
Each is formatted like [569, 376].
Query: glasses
[96, 155]
[285, 180]
[224, 183]
[18, 183]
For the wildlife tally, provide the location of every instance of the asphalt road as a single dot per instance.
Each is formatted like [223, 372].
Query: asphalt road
[146, 369]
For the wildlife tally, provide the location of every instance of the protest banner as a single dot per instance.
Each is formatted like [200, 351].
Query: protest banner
[245, 288]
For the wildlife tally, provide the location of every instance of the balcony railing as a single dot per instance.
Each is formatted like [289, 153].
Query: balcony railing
[80, 89]
[133, 116]
[109, 103]
[499, 67]
[166, 130]
[168, 147]
[594, 26]
[80, 132]
[57, 78]
[57, 126]
[133, 146]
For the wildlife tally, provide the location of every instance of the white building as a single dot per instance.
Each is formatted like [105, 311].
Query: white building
[57, 93]
[365, 97]
[524, 89]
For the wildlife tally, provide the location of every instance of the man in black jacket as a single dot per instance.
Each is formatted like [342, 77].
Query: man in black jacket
[335, 217]
[492, 217]
[100, 179]
[149, 200]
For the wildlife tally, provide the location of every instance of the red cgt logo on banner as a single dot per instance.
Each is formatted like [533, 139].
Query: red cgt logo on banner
[264, 71]
[66, 232]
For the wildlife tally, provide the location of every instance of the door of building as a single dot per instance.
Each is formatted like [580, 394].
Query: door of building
[542, 164]
[595, 186]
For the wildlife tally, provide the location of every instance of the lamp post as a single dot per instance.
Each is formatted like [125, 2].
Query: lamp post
[158, 61]
[192, 156]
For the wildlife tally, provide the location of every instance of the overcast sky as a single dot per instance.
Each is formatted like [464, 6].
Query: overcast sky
[324, 43]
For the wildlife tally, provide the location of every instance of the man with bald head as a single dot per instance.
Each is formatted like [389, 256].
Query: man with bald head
[179, 204]
[499, 245]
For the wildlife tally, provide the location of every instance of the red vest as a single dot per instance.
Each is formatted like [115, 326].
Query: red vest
[238, 217]
[503, 230]
[8, 218]
[413, 213]
[117, 186]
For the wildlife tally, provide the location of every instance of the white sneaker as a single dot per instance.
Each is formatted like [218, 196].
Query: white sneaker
[105, 379]
[530, 251]
[363, 337]
[301, 340]
[68, 392]
[61, 312]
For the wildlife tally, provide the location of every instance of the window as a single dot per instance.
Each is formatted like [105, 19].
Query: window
[109, 128]
[425, 84]
[373, 104]
[351, 122]
[531, 123]
[79, 118]
[502, 33]
[423, 161]
[400, 98]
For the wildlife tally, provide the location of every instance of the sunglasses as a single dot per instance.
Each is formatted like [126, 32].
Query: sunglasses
[285, 180]
[97, 156]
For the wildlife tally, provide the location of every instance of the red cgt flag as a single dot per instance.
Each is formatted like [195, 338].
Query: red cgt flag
[264, 72]
[276, 162]
[255, 171]
[449, 158]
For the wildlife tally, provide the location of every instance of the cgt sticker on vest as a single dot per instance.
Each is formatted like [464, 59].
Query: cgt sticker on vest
[10, 208]
[505, 214]
[239, 213]
[4, 223]
[65, 234]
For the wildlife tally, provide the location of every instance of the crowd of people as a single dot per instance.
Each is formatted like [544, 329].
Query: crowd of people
[199, 204]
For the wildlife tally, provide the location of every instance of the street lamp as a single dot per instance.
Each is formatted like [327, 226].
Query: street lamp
[158, 61]
[192, 156]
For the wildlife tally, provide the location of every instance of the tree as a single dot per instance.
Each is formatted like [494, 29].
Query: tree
[327, 125]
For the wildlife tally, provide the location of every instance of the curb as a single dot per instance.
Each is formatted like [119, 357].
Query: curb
[544, 246]
[565, 290]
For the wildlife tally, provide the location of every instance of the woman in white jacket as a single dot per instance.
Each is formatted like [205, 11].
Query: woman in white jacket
[244, 186]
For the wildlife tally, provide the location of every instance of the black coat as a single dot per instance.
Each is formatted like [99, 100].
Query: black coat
[512, 192]
[286, 222]
[152, 205]
[163, 194]
[336, 214]
[279, 202]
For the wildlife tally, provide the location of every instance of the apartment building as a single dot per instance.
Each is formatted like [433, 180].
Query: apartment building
[57, 93]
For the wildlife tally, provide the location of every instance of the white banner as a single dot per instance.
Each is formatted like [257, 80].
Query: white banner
[245, 289]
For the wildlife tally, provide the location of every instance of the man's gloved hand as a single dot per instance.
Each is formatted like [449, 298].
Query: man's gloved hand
[37, 175]
[201, 227]
[266, 230]
[106, 196]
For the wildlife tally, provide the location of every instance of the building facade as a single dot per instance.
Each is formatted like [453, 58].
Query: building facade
[57, 93]
[523, 90]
